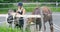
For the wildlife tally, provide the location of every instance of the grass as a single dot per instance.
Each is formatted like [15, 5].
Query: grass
[29, 10]
[5, 29]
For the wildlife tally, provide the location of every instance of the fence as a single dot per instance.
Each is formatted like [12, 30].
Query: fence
[32, 6]
[55, 6]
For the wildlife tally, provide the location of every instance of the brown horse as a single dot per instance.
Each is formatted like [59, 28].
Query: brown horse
[47, 17]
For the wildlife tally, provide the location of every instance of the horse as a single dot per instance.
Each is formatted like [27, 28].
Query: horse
[47, 17]
[11, 18]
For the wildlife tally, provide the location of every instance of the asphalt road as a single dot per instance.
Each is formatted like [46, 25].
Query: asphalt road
[56, 21]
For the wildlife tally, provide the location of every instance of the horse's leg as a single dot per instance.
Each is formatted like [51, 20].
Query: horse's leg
[38, 22]
[51, 25]
[36, 26]
[44, 26]
[44, 19]
[40, 25]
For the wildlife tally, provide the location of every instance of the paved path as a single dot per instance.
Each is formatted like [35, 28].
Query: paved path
[56, 21]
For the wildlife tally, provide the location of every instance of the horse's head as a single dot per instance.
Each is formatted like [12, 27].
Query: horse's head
[45, 9]
[10, 10]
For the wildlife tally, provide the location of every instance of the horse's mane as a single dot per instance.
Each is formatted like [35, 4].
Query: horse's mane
[47, 9]
[35, 10]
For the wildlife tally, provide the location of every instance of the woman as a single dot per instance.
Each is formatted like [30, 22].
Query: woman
[21, 11]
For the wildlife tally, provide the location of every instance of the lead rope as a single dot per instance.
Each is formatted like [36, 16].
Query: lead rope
[42, 20]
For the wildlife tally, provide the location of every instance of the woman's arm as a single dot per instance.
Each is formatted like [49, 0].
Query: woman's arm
[24, 11]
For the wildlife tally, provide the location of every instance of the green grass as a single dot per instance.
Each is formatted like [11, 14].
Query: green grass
[4, 11]
[55, 9]
[5, 29]
[34, 5]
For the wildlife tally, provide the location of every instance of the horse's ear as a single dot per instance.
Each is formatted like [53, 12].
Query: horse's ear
[33, 11]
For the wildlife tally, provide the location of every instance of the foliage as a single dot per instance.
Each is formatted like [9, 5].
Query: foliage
[14, 1]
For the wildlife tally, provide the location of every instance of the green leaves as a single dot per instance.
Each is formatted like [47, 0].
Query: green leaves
[14, 1]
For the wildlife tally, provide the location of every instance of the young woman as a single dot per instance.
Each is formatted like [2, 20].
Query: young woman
[21, 11]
